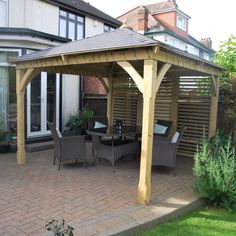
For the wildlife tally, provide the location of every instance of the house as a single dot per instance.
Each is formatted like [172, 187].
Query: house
[165, 22]
[28, 26]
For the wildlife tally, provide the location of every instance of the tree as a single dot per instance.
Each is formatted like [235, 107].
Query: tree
[226, 57]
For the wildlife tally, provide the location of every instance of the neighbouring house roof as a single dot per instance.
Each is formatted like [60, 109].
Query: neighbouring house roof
[119, 39]
[32, 33]
[164, 6]
[190, 40]
[154, 28]
[86, 9]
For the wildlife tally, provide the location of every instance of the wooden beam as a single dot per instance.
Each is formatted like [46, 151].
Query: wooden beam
[29, 75]
[20, 117]
[132, 73]
[174, 101]
[89, 58]
[214, 86]
[149, 95]
[104, 83]
[214, 108]
[185, 62]
[110, 103]
[161, 74]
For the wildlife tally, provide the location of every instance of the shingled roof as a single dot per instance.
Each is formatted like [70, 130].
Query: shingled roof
[118, 39]
[86, 9]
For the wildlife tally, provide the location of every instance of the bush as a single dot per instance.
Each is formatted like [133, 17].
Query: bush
[215, 171]
[59, 228]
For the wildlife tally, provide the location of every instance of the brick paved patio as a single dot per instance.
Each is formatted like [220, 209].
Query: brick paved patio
[94, 201]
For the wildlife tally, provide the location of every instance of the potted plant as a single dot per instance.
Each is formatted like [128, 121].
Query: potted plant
[78, 122]
[75, 123]
[86, 115]
[13, 145]
[5, 138]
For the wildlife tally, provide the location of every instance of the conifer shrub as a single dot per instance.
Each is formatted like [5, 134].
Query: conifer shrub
[215, 171]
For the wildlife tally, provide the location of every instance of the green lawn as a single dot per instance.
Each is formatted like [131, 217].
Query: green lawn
[206, 222]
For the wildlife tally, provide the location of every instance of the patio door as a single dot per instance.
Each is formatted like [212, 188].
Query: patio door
[42, 104]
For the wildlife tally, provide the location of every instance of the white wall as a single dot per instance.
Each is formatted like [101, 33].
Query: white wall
[177, 43]
[93, 27]
[34, 14]
[16, 13]
[70, 96]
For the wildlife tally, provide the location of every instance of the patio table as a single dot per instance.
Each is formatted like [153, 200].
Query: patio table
[112, 143]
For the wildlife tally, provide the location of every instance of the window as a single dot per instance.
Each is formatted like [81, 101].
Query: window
[8, 90]
[108, 28]
[3, 13]
[181, 22]
[71, 26]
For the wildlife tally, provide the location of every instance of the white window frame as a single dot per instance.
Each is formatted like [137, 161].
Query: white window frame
[181, 22]
[7, 14]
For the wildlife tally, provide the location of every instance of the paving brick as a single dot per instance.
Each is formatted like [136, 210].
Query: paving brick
[95, 200]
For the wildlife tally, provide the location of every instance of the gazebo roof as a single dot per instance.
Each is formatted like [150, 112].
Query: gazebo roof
[123, 44]
[117, 39]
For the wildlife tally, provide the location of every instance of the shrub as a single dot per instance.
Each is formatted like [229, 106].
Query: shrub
[59, 228]
[215, 171]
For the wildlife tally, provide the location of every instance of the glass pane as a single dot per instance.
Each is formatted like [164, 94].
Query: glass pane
[106, 28]
[71, 34]
[11, 55]
[62, 32]
[36, 104]
[80, 19]
[5, 56]
[72, 16]
[12, 101]
[4, 74]
[51, 97]
[80, 31]
[63, 13]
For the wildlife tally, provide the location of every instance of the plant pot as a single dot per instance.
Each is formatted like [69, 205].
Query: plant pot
[12, 148]
[3, 148]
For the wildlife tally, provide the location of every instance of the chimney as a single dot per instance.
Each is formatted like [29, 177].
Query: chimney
[207, 42]
[142, 19]
[174, 2]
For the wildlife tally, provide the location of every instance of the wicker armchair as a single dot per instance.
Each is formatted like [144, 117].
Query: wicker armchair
[67, 148]
[165, 148]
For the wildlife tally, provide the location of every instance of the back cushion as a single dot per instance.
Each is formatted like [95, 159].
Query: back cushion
[160, 129]
[175, 137]
[99, 125]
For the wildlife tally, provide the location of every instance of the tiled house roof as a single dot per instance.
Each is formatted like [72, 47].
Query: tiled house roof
[86, 9]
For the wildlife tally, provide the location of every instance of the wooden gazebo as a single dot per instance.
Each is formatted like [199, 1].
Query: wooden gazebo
[122, 53]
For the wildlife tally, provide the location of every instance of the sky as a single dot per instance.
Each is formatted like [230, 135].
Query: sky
[209, 18]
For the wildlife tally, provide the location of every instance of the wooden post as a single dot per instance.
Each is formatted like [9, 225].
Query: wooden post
[149, 95]
[174, 102]
[20, 118]
[214, 106]
[110, 103]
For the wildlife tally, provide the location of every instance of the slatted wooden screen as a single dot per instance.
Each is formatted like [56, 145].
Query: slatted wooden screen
[125, 99]
[163, 101]
[193, 107]
[193, 112]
